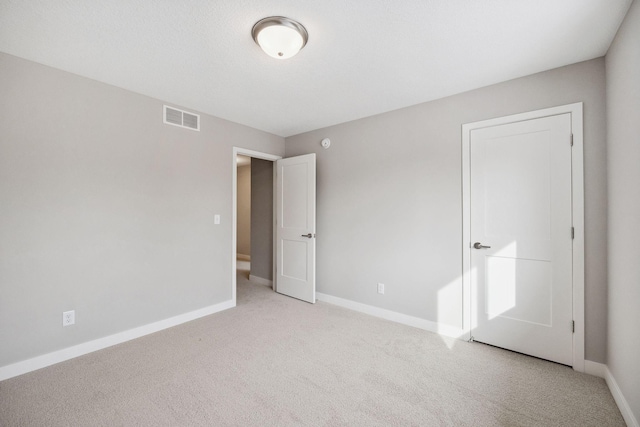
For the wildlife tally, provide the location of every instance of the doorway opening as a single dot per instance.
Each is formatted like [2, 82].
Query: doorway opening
[252, 217]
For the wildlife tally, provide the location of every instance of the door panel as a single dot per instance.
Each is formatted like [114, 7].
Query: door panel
[294, 196]
[518, 289]
[521, 208]
[295, 254]
[296, 227]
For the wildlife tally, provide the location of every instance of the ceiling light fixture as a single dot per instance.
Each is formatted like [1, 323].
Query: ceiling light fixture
[280, 37]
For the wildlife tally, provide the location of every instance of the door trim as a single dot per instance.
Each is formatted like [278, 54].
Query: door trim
[234, 209]
[577, 190]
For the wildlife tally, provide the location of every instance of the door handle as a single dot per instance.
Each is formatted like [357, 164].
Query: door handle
[479, 245]
[309, 235]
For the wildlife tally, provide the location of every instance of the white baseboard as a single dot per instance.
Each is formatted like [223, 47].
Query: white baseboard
[622, 403]
[260, 280]
[601, 370]
[38, 362]
[243, 257]
[416, 322]
[594, 368]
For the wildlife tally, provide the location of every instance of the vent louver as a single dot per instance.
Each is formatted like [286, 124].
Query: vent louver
[183, 119]
[190, 120]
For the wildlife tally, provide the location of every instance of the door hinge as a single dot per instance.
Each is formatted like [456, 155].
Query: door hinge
[573, 233]
[573, 326]
[572, 140]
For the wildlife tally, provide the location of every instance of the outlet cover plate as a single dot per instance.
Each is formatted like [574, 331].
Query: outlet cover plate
[68, 318]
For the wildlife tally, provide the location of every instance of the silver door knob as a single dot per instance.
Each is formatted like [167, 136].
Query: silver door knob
[308, 235]
[479, 245]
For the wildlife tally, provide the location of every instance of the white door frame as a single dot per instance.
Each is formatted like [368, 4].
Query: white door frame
[577, 189]
[234, 210]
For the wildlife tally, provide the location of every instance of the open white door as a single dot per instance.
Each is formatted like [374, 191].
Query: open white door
[296, 227]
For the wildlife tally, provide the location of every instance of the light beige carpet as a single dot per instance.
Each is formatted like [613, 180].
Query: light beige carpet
[276, 361]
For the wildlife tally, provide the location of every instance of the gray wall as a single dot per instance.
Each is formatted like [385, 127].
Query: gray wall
[389, 197]
[106, 210]
[262, 218]
[243, 213]
[623, 139]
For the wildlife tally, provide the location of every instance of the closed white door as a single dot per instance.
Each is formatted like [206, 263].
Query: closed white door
[296, 227]
[521, 237]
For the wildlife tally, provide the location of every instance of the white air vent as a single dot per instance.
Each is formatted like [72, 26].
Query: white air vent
[173, 116]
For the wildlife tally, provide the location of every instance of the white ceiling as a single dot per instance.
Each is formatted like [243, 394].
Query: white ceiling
[363, 57]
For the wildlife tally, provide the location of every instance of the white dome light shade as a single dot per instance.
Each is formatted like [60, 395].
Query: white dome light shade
[280, 42]
[279, 37]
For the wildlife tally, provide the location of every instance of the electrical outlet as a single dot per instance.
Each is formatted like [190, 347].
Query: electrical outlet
[381, 288]
[68, 318]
